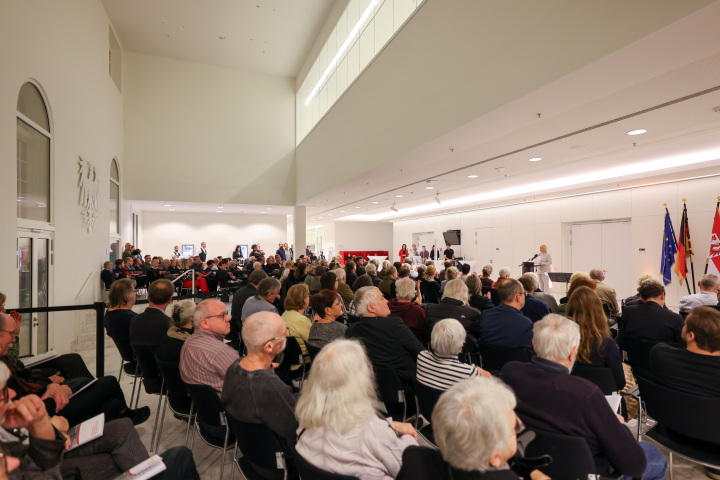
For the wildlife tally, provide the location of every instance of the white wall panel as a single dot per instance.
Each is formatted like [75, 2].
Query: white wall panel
[612, 205]
[576, 209]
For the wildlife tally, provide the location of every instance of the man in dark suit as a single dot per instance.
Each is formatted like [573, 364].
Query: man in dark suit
[505, 325]
[649, 320]
[150, 327]
[389, 343]
[696, 368]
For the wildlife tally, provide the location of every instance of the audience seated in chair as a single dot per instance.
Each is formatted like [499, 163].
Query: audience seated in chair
[707, 296]
[597, 348]
[429, 286]
[552, 400]
[440, 368]
[238, 302]
[44, 455]
[268, 291]
[505, 325]
[454, 304]
[104, 396]
[271, 401]
[534, 308]
[339, 429]
[503, 273]
[296, 303]
[389, 343]
[406, 305]
[475, 430]
[649, 320]
[148, 328]
[328, 308]
[604, 291]
[118, 318]
[476, 298]
[205, 357]
[107, 275]
[343, 288]
[182, 328]
[577, 280]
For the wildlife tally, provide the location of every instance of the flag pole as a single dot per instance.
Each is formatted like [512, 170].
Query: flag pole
[672, 229]
[707, 260]
[692, 267]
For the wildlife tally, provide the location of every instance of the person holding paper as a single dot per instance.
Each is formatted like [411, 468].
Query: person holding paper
[552, 400]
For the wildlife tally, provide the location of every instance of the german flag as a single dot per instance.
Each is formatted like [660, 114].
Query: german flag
[685, 249]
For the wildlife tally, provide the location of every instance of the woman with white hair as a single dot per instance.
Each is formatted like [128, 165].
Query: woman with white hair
[181, 329]
[454, 304]
[475, 429]
[339, 429]
[440, 368]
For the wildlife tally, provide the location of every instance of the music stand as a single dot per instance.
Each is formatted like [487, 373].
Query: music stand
[560, 277]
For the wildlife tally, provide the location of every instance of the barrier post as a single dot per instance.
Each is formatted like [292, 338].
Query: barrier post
[99, 308]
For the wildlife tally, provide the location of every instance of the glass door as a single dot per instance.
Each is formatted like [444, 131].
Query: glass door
[34, 280]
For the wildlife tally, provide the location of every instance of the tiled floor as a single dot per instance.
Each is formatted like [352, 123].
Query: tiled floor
[208, 459]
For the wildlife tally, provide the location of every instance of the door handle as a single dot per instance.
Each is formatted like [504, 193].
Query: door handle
[35, 322]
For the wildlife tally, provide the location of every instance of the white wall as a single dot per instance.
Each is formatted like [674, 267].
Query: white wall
[201, 133]
[64, 47]
[161, 231]
[517, 231]
[363, 236]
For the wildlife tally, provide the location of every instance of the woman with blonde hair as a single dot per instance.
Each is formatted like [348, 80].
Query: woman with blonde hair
[339, 428]
[296, 302]
[597, 348]
[429, 286]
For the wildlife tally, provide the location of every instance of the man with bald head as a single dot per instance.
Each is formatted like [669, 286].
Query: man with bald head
[271, 402]
[205, 357]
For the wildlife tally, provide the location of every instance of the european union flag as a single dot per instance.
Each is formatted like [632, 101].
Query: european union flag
[669, 249]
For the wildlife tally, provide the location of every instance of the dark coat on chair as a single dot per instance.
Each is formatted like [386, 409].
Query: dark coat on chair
[149, 327]
[389, 344]
[451, 308]
[649, 321]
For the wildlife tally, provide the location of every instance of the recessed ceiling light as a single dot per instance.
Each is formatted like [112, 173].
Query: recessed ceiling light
[429, 188]
[357, 207]
[342, 211]
[398, 196]
[375, 203]
[268, 208]
[472, 176]
[166, 205]
[172, 209]
[219, 211]
[534, 159]
[220, 207]
[639, 131]
[320, 217]
[312, 219]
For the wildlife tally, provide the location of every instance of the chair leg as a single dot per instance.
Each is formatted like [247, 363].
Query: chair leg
[190, 421]
[640, 417]
[235, 462]
[227, 434]
[122, 364]
[162, 422]
[132, 395]
[139, 387]
[671, 464]
[417, 412]
[157, 416]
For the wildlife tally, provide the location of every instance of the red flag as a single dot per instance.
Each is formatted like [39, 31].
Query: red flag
[714, 254]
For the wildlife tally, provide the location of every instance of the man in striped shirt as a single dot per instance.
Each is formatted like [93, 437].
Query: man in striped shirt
[440, 368]
[205, 358]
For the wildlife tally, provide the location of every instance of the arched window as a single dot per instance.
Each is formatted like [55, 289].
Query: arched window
[114, 198]
[33, 155]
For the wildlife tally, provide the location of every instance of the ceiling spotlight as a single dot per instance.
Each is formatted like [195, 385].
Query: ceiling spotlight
[375, 203]
[639, 131]
[268, 208]
[398, 196]
[429, 188]
[472, 176]
[393, 207]
[437, 198]
[534, 159]
[166, 205]
[357, 207]
[342, 211]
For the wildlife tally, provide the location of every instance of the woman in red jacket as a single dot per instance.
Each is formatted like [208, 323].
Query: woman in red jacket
[403, 253]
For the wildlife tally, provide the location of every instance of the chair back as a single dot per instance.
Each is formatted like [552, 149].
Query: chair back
[123, 346]
[292, 355]
[495, 357]
[690, 415]
[427, 398]
[151, 377]
[600, 376]
[312, 350]
[308, 471]
[571, 457]
[178, 396]
[259, 446]
[638, 353]
[208, 407]
[389, 386]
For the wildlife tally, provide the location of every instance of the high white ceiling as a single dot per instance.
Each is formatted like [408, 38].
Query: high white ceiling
[666, 80]
[197, 207]
[265, 36]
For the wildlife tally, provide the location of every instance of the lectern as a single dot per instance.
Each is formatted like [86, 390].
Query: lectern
[528, 267]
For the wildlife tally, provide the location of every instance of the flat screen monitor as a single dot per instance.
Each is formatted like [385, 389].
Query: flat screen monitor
[188, 250]
[452, 237]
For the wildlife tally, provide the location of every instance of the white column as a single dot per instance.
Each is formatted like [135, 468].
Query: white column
[299, 225]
